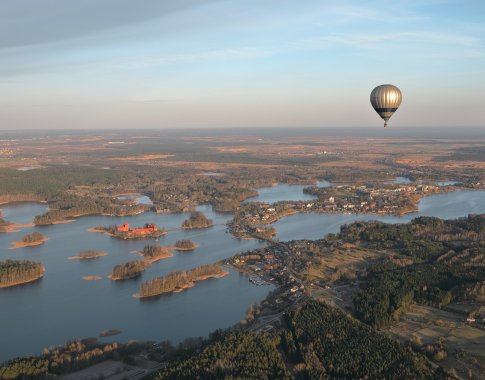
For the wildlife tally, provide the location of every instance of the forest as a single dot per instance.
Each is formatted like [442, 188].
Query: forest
[178, 280]
[197, 220]
[235, 355]
[436, 260]
[13, 272]
[316, 342]
[129, 270]
[44, 184]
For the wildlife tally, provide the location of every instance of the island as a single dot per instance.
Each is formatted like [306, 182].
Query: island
[4, 225]
[149, 230]
[132, 269]
[92, 278]
[110, 332]
[17, 272]
[197, 220]
[128, 270]
[178, 281]
[184, 245]
[88, 255]
[153, 253]
[31, 240]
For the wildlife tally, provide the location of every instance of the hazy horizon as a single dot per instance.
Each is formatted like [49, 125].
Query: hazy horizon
[229, 64]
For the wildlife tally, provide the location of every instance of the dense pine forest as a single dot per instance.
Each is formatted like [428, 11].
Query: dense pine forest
[318, 342]
[178, 280]
[236, 355]
[13, 272]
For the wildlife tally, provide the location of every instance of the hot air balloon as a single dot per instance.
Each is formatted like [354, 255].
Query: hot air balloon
[385, 99]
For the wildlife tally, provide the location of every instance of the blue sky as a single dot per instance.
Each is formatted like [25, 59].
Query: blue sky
[230, 63]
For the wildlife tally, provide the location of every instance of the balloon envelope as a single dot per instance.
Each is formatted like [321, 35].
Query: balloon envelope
[386, 99]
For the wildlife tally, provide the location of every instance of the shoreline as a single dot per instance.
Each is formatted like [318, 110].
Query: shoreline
[189, 285]
[175, 248]
[13, 227]
[158, 258]
[20, 244]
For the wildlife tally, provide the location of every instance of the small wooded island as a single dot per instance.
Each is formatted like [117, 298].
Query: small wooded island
[149, 230]
[184, 245]
[17, 272]
[128, 270]
[178, 281]
[132, 269]
[152, 253]
[197, 220]
[88, 255]
[31, 240]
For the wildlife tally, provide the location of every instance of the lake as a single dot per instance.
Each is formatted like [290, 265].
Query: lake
[284, 192]
[62, 306]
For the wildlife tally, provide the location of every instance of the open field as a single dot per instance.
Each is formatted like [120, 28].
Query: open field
[464, 344]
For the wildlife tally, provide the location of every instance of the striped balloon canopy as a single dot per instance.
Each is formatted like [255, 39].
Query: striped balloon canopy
[386, 99]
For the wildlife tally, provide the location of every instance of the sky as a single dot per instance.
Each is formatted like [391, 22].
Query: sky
[127, 64]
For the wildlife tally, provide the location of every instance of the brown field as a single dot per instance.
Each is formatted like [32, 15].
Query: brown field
[464, 344]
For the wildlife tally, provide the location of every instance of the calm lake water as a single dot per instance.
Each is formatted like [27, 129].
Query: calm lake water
[285, 193]
[62, 306]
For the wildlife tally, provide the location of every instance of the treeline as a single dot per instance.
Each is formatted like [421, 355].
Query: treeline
[128, 270]
[74, 356]
[178, 280]
[197, 220]
[13, 272]
[316, 342]
[34, 237]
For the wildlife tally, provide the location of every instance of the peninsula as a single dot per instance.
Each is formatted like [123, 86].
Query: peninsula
[17, 272]
[178, 281]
